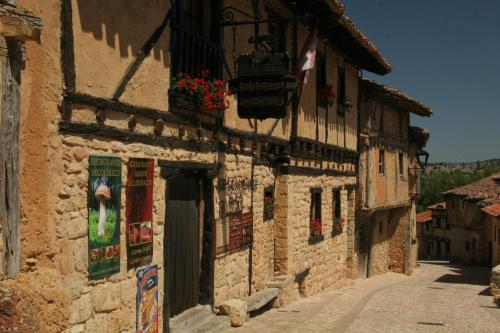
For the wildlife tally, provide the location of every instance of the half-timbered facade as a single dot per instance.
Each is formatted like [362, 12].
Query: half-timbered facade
[252, 190]
[387, 179]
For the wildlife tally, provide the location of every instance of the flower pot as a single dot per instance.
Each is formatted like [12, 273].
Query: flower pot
[180, 103]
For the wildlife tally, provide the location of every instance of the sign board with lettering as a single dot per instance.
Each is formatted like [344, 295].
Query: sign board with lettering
[261, 85]
[240, 231]
[234, 232]
[104, 200]
[139, 213]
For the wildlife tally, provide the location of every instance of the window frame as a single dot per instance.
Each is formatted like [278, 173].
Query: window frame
[266, 215]
[315, 213]
[321, 79]
[401, 165]
[336, 210]
[341, 91]
[381, 162]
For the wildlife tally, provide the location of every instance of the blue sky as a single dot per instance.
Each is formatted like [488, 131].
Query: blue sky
[446, 53]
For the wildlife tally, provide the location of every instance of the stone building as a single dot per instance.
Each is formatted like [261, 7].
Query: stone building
[434, 236]
[249, 194]
[493, 220]
[424, 223]
[471, 229]
[387, 179]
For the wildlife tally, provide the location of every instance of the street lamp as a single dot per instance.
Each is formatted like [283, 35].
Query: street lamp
[422, 158]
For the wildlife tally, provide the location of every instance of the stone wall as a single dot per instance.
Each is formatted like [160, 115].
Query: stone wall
[325, 259]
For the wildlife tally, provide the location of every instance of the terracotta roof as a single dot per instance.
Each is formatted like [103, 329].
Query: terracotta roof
[377, 63]
[344, 36]
[424, 216]
[486, 190]
[398, 98]
[440, 205]
[493, 210]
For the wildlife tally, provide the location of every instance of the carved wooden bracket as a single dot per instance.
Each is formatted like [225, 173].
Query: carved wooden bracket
[19, 24]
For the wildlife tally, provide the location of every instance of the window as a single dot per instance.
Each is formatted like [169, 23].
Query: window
[321, 85]
[439, 222]
[381, 162]
[447, 246]
[429, 248]
[401, 165]
[381, 122]
[447, 224]
[315, 223]
[341, 91]
[427, 226]
[268, 203]
[197, 38]
[400, 127]
[337, 208]
[467, 246]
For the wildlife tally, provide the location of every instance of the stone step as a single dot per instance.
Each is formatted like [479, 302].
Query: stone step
[261, 298]
[213, 324]
[184, 322]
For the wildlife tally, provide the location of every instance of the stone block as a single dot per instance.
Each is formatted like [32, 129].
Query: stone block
[74, 284]
[97, 323]
[66, 257]
[80, 254]
[105, 297]
[74, 141]
[80, 310]
[236, 309]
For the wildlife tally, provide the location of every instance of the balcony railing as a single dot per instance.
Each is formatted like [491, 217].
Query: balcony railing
[192, 53]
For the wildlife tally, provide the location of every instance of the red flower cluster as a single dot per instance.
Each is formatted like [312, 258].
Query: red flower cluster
[327, 94]
[211, 93]
[316, 227]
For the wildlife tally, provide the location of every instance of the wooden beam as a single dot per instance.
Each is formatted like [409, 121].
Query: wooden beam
[19, 24]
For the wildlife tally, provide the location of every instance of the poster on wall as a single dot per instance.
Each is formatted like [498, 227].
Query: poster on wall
[240, 231]
[104, 216]
[147, 300]
[139, 212]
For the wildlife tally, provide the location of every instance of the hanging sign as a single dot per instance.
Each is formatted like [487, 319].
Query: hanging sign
[147, 300]
[262, 85]
[104, 193]
[139, 213]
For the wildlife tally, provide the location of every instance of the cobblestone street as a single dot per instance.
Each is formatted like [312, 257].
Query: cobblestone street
[439, 297]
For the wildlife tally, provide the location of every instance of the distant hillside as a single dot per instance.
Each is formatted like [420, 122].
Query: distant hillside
[440, 177]
[465, 167]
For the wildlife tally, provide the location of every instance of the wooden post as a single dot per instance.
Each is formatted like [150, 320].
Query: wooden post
[10, 59]
[16, 26]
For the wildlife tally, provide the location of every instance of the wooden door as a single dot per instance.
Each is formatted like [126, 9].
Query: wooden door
[183, 260]
[364, 245]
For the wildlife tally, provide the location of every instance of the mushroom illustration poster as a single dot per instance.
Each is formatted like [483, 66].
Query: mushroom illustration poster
[139, 212]
[147, 300]
[104, 216]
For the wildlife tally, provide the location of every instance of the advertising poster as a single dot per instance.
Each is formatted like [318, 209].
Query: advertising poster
[139, 213]
[147, 300]
[104, 216]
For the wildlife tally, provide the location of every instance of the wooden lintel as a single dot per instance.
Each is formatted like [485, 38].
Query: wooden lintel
[18, 24]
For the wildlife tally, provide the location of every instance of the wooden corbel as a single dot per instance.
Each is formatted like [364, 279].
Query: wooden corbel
[18, 24]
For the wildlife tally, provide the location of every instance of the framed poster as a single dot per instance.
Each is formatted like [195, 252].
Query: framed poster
[104, 198]
[240, 231]
[139, 212]
[147, 300]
